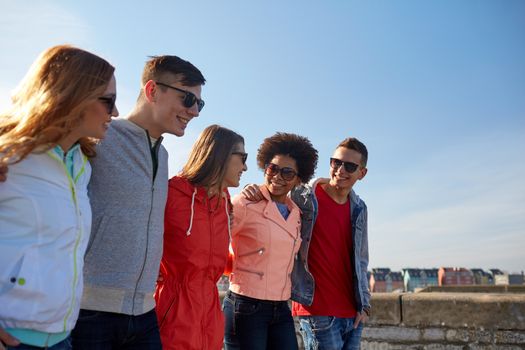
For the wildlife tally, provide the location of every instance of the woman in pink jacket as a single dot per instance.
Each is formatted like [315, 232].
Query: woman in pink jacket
[196, 237]
[265, 241]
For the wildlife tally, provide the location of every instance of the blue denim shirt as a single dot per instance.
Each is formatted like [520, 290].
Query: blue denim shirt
[303, 283]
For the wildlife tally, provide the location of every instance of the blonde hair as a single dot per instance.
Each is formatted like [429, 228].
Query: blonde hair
[206, 165]
[51, 100]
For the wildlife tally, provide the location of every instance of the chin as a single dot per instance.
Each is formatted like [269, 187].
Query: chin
[177, 132]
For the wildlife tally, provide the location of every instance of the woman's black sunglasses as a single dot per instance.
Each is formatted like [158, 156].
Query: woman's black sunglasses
[244, 156]
[189, 97]
[109, 101]
[349, 166]
[287, 174]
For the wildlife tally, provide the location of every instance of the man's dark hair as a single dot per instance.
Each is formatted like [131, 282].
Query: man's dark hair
[356, 145]
[294, 146]
[159, 66]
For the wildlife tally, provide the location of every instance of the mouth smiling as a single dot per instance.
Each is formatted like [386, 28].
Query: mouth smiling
[183, 120]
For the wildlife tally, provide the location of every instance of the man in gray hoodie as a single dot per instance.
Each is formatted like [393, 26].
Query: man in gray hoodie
[128, 191]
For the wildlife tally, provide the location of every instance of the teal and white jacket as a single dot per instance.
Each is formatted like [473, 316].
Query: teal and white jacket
[45, 222]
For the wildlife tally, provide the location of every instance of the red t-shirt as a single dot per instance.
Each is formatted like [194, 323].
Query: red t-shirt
[330, 262]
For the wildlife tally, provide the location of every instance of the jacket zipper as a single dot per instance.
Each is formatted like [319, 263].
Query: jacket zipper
[72, 183]
[258, 273]
[147, 230]
[210, 220]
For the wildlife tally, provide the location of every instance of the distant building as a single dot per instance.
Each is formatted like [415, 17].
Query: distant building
[500, 278]
[371, 280]
[482, 277]
[383, 280]
[455, 276]
[516, 279]
[419, 278]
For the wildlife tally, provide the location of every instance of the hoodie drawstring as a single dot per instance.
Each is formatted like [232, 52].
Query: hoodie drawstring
[192, 212]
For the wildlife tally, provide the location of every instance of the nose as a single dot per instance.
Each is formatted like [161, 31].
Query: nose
[340, 168]
[245, 167]
[193, 110]
[115, 112]
[278, 176]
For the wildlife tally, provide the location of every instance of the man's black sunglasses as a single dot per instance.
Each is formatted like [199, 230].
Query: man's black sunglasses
[109, 101]
[244, 156]
[349, 166]
[287, 174]
[189, 97]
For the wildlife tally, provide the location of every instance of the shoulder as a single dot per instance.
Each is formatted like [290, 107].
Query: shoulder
[239, 200]
[358, 202]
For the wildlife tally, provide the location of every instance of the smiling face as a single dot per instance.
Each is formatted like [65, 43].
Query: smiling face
[341, 178]
[169, 113]
[235, 167]
[277, 186]
[96, 119]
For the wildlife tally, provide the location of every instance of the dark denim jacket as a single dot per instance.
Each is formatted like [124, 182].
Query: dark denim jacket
[302, 280]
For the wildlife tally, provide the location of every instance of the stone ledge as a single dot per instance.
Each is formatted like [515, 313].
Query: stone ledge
[374, 345]
[464, 310]
[475, 289]
[413, 335]
[386, 308]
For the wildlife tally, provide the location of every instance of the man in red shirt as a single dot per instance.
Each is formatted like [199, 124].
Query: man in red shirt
[329, 281]
[337, 256]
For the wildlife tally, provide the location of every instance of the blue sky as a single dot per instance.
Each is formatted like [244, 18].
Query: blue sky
[435, 89]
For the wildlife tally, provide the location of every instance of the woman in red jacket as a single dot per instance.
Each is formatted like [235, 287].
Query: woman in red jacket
[196, 238]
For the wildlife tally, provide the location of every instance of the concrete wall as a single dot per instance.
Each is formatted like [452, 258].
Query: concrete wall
[454, 321]
[445, 320]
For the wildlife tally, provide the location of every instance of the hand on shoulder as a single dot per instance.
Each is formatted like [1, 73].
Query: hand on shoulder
[252, 192]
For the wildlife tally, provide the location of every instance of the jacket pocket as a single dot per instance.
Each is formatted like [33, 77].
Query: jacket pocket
[259, 251]
[244, 307]
[21, 291]
[321, 323]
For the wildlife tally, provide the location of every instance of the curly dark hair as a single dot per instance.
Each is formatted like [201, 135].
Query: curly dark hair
[294, 146]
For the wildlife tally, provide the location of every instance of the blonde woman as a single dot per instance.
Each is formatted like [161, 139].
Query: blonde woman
[62, 106]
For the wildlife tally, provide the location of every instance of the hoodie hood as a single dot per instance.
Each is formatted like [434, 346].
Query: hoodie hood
[199, 196]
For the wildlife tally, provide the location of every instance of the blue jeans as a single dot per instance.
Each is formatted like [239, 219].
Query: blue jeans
[254, 324]
[97, 330]
[63, 345]
[330, 333]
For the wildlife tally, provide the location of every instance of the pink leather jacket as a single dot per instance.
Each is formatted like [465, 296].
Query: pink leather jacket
[265, 246]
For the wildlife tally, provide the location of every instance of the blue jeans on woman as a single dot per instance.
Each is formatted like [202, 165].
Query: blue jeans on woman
[254, 324]
[330, 333]
[63, 345]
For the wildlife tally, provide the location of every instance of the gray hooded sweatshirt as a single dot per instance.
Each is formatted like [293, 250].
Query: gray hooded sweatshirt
[127, 198]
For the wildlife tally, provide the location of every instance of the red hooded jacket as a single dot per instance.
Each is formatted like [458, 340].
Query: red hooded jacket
[196, 238]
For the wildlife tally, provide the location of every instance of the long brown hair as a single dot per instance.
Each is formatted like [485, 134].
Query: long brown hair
[50, 101]
[206, 165]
